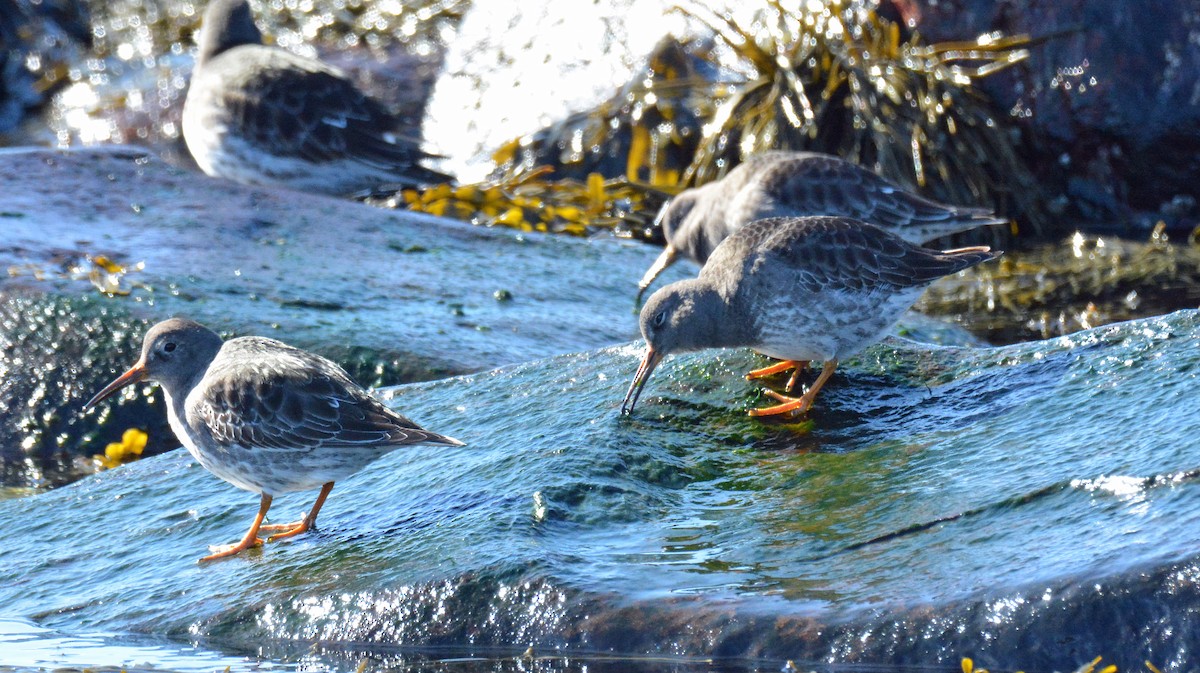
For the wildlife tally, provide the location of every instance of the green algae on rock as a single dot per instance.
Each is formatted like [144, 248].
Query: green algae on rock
[1080, 283]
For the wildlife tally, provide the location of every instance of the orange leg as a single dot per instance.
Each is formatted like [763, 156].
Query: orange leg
[781, 366]
[290, 529]
[251, 539]
[800, 368]
[797, 405]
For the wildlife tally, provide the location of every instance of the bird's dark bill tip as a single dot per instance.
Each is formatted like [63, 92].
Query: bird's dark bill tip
[639, 380]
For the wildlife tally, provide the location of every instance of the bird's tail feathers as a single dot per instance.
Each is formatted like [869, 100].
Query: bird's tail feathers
[962, 258]
[442, 439]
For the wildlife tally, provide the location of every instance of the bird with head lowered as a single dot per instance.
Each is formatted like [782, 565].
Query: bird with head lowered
[797, 289]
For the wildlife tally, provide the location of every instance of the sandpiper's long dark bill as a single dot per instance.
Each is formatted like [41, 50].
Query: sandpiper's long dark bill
[262, 115]
[135, 374]
[266, 417]
[794, 184]
[649, 362]
[798, 289]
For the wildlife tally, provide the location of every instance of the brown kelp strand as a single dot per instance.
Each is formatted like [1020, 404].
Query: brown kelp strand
[529, 202]
[832, 76]
[648, 131]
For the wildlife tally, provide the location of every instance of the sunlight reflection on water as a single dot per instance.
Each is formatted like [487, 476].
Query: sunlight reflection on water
[24, 645]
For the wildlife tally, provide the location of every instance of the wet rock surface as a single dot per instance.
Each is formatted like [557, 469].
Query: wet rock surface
[322, 271]
[1030, 506]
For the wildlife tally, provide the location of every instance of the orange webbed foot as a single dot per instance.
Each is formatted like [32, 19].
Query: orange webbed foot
[289, 529]
[795, 405]
[782, 366]
[227, 550]
[280, 527]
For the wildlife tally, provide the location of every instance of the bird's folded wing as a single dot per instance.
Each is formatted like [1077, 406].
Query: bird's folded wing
[827, 185]
[300, 108]
[282, 410]
[829, 253]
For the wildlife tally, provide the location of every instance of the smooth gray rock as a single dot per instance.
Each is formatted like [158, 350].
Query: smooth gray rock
[322, 273]
[393, 296]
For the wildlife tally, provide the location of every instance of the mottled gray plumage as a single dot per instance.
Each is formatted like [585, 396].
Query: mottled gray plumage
[265, 416]
[263, 115]
[261, 396]
[796, 289]
[782, 184]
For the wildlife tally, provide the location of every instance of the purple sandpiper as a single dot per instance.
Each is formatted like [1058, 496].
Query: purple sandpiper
[786, 184]
[262, 115]
[266, 417]
[797, 289]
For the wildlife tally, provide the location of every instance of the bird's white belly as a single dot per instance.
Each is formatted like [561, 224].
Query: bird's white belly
[273, 471]
[829, 326]
[221, 152]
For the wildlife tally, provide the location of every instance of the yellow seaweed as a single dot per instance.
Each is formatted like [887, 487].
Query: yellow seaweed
[130, 448]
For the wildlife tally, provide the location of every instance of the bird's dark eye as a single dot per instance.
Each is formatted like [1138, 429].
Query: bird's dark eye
[660, 318]
[169, 346]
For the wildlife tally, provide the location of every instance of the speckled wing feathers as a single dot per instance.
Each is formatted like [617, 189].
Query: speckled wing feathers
[825, 185]
[827, 253]
[289, 407]
[292, 106]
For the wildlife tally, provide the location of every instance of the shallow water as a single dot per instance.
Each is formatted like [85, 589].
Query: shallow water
[1031, 506]
[25, 646]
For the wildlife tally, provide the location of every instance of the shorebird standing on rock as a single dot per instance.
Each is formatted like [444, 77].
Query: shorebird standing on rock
[266, 417]
[797, 289]
[795, 184]
[262, 115]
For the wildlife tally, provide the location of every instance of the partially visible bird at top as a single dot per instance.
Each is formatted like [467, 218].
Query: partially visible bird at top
[262, 115]
[782, 183]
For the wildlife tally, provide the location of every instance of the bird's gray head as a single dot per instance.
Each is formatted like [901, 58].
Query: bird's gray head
[683, 316]
[670, 320]
[227, 24]
[175, 353]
